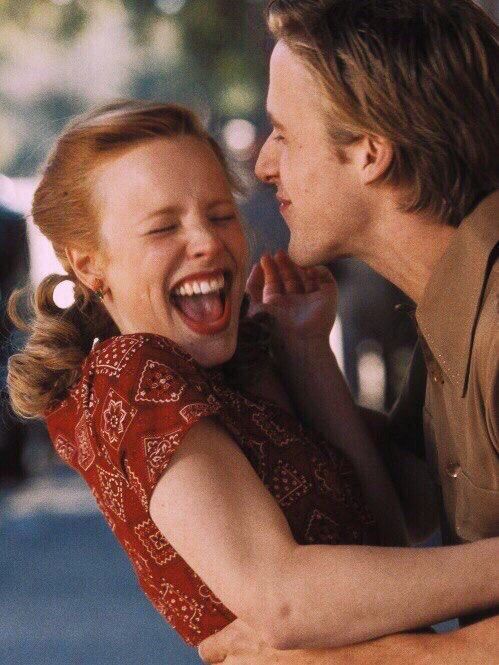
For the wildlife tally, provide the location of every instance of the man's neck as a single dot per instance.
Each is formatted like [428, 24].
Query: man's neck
[405, 248]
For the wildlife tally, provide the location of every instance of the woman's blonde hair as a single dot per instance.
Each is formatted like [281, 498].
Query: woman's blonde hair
[64, 211]
[422, 73]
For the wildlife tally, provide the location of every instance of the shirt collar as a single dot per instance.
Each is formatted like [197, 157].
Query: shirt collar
[448, 311]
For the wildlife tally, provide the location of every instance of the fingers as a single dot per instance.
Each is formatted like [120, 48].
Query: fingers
[273, 284]
[279, 275]
[311, 280]
[324, 274]
[291, 275]
[210, 652]
[255, 283]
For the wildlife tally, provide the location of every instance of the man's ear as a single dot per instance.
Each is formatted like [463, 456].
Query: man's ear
[373, 157]
[86, 266]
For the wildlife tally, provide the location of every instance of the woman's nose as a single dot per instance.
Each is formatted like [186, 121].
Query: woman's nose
[204, 241]
[266, 165]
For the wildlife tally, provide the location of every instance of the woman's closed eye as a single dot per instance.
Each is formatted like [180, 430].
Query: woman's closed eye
[167, 228]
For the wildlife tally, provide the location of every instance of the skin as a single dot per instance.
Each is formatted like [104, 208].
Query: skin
[146, 249]
[348, 213]
[474, 645]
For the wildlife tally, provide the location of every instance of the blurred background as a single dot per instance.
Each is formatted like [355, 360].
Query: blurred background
[67, 592]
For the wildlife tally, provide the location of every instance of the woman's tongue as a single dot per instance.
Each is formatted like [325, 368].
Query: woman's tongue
[203, 308]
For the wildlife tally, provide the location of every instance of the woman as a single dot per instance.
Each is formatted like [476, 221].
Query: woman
[138, 203]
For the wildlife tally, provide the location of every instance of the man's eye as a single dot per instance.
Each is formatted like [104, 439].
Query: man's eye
[278, 137]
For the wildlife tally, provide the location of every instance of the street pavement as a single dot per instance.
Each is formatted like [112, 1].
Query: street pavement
[68, 595]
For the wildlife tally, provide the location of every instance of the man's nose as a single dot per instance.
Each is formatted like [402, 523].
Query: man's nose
[266, 165]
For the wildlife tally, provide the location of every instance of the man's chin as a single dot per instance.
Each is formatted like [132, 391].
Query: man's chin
[306, 255]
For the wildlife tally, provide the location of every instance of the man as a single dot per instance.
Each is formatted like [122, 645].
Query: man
[385, 147]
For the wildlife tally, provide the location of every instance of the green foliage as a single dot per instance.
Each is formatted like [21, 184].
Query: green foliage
[205, 55]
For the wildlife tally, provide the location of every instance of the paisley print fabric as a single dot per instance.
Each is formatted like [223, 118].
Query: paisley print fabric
[119, 427]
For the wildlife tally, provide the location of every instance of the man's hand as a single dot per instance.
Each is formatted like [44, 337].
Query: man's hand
[302, 301]
[238, 644]
[237, 637]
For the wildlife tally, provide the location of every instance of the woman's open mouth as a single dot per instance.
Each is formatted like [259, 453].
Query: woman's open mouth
[203, 301]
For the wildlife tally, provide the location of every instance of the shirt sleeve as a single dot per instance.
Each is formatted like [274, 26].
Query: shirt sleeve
[148, 409]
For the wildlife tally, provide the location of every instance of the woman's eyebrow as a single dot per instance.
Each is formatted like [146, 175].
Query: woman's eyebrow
[166, 210]
[219, 202]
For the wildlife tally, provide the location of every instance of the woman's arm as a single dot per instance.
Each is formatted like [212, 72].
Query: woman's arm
[304, 313]
[216, 513]
[318, 390]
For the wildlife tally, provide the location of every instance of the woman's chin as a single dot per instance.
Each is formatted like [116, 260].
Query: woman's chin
[213, 352]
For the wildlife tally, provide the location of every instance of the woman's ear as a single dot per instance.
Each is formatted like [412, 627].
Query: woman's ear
[85, 266]
[373, 157]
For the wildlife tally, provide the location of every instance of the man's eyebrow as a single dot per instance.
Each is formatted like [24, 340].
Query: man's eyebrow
[274, 121]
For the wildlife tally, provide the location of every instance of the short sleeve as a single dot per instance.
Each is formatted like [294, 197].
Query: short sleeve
[148, 404]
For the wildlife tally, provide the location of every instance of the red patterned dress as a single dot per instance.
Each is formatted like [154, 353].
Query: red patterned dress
[119, 427]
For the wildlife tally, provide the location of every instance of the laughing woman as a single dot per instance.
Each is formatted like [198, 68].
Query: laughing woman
[161, 392]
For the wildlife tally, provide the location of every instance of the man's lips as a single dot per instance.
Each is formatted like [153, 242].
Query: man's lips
[283, 203]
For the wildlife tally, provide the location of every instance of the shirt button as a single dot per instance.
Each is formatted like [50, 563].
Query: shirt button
[453, 470]
[436, 374]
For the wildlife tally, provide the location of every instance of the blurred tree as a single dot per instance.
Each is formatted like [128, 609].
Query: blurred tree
[58, 57]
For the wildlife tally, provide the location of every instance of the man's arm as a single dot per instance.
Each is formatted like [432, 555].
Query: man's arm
[475, 645]
[214, 510]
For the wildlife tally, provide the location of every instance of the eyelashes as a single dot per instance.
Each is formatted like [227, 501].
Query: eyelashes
[172, 227]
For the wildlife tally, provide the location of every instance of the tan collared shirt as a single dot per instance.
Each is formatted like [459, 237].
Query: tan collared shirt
[458, 320]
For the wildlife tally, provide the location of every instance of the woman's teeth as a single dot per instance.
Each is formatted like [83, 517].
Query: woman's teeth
[195, 287]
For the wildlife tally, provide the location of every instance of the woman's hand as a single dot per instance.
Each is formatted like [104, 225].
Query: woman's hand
[302, 301]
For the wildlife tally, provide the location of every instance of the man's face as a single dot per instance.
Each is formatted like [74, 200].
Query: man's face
[320, 195]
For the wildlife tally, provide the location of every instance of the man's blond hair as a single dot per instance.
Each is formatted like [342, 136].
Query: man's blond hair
[422, 73]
